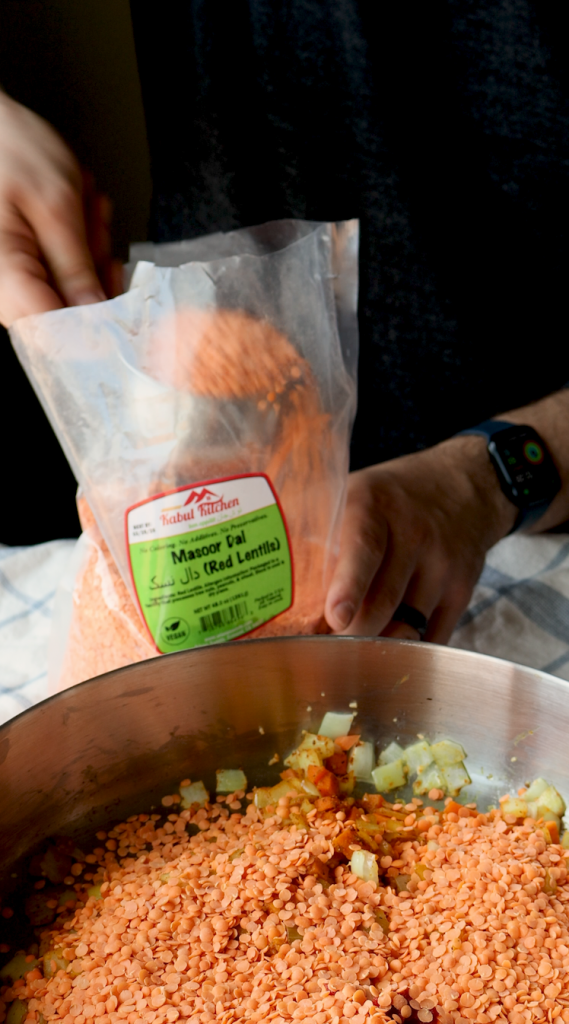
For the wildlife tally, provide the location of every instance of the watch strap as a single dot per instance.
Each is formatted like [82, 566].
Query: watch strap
[529, 516]
[488, 429]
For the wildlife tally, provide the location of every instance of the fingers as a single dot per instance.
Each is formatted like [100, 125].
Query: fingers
[24, 285]
[380, 566]
[417, 530]
[114, 283]
[386, 591]
[423, 593]
[98, 216]
[60, 231]
[444, 619]
[400, 631]
[45, 261]
[363, 544]
[442, 602]
[376, 564]
[371, 578]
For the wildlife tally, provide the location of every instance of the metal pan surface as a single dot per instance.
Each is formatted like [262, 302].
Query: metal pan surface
[115, 744]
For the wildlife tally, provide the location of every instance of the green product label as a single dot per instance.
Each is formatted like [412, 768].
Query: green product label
[209, 562]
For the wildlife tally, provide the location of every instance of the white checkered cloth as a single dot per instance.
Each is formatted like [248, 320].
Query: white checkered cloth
[519, 611]
[520, 606]
[28, 580]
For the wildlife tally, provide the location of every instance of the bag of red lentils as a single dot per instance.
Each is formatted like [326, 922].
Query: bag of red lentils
[206, 414]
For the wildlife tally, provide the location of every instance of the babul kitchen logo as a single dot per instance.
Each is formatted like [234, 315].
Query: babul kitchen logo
[199, 496]
[204, 503]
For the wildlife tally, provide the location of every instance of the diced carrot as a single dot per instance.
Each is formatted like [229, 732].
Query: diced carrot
[326, 782]
[326, 803]
[346, 742]
[338, 763]
[452, 807]
[373, 801]
[289, 773]
[344, 841]
[553, 831]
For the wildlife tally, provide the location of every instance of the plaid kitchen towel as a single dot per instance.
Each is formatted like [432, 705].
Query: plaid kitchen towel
[520, 605]
[29, 577]
[519, 611]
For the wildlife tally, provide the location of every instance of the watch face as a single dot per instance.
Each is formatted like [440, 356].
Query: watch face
[526, 470]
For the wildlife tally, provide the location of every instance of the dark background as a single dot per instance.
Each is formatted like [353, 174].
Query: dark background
[443, 126]
[73, 62]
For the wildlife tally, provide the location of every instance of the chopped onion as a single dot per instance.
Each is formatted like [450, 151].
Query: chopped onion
[553, 800]
[542, 812]
[16, 968]
[323, 744]
[431, 778]
[447, 753]
[361, 761]
[18, 1011]
[54, 961]
[515, 806]
[391, 753]
[334, 725]
[535, 790]
[196, 793]
[229, 780]
[455, 776]
[314, 749]
[389, 776]
[301, 760]
[364, 865]
[266, 795]
[532, 809]
[418, 756]
[310, 788]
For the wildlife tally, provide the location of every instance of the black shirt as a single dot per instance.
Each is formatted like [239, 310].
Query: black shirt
[443, 126]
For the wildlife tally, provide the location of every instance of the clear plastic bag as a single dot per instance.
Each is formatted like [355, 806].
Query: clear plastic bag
[206, 414]
[96, 627]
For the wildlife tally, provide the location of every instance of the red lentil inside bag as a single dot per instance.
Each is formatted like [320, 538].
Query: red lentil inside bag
[206, 414]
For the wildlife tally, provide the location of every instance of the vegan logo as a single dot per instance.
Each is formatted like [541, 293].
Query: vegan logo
[174, 631]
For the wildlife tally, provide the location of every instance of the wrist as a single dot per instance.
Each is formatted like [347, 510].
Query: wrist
[469, 455]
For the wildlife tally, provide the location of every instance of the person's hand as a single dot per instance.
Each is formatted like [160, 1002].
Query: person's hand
[416, 530]
[53, 226]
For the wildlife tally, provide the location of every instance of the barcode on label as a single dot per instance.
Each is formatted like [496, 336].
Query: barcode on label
[223, 617]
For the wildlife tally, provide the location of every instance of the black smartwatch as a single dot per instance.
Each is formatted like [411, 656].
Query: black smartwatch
[523, 466]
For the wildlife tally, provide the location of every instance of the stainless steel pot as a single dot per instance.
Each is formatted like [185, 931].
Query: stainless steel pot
[115, 744]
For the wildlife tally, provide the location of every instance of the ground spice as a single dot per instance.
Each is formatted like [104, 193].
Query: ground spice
[232, 360]
[255, 918]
